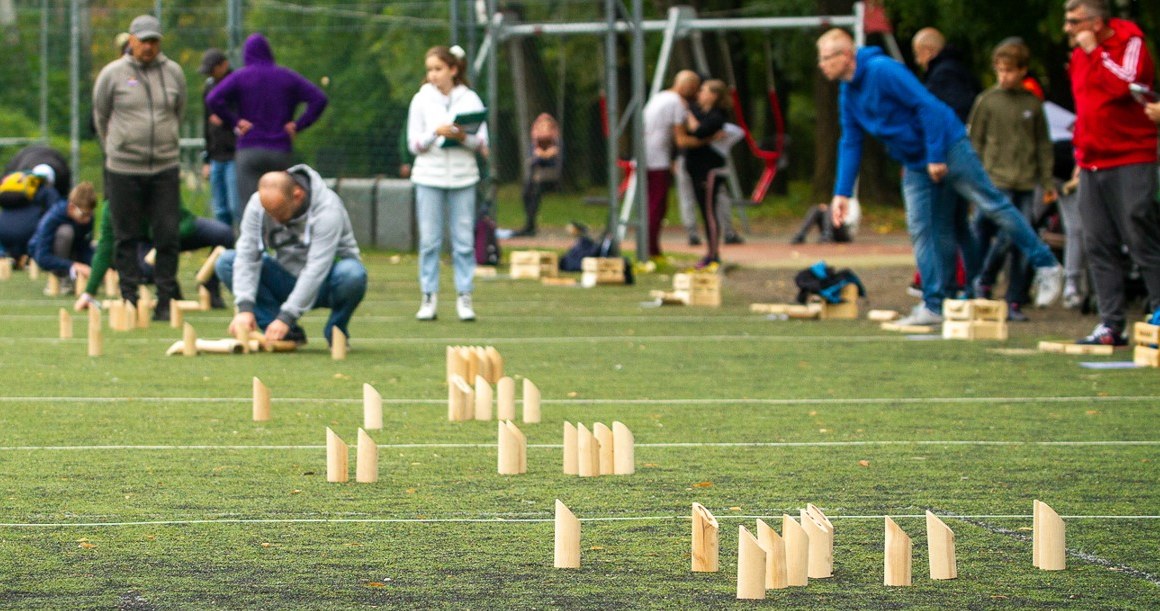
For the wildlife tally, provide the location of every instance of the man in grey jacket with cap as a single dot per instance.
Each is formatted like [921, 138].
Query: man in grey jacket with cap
[296, 251]
[138, 100]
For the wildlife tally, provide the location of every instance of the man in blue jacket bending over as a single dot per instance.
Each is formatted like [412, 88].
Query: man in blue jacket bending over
[879, 96]
[296, 251]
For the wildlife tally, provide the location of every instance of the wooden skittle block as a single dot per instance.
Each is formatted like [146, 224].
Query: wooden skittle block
[1145, 334]
[145, 309]
[571, 451]
[471, 368]
[496, 364]
[974, 329]
[558, 281]
[567, 535]
[338, 345]
[337, 457]
[206, 272]
[243, 337]
[897, 557]
[176, 314]
[775, 575]
[820, 563]
[603, 435]
[808, 311]
[705, 541]
[521, 445]
[366, 467]
[96, 341]
[81, 281]
[66, 324]
[112, 283]
[128, 320]
[261, 408]
[203, 299]
[505, 399]
[116, 310]
[483, 398]
[587, 452]
[5, 268]
[882, 315]
[189, 336]
[531, 402]
[940, 542]
[847, 310]
[623, 454]
[455, 365]
[890, 326]
[372, 408]
[33, 270]
[797, 552]
[1048, 538]
[483, 364]
[52, 289]
[1073, 348]
[975, 309]
[459, 400]
[1146, 357]
[188, 305]
[210, 346]
[512, 455]
[751, 566]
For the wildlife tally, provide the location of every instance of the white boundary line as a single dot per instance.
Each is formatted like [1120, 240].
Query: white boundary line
[593, 339]
[723, 444]
[717, 402]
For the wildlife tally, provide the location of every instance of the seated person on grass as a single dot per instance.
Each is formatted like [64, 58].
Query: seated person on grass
[296, 251]
[62, 244]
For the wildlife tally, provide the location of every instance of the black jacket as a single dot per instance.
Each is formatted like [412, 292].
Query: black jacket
[948, 78]
[220, 141]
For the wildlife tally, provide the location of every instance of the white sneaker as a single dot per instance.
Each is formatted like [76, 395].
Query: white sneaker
[463, 307]
[1048, 285]
[921, 316]
[1071, 297]
[427, 308]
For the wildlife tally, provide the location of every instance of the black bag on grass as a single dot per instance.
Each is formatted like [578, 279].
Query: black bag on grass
[822, 280]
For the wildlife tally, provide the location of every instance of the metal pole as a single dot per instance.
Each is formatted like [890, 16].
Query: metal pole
[454, 25]
[493, 95]
[611, 103]
[74, 87]
[471, 33]
[44, 70]
[638, 78]
[157, 6]
[234, 31]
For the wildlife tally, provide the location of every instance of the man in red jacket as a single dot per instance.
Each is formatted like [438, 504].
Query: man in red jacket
[1115, 153]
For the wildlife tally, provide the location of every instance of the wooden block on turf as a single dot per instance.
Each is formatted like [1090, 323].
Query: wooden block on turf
[496, 364]
[505, 399]
[567, 538]
[797, 552]
[847, 310]
[372, 408]
[768, 308]
[808, 311]
[532, 264]
[1048, 540]
[571, 451]
[261, 404]
[553, 281]
[974, 329]
[890, 326]
[5, 268]
[485, 271]
[52, 289]
[338, 345]
[1146, 356]
[897, 571]
[940, 542]
[775, 575]
[1074, 348]
[482, 363]
[670, 297]
[66, 324]
[112, 281]
[603, 434]
[206, 272]
[366, 466]
[511, 459]
[460, 402]
[203, 299]
[79, 283]
[1144, 333]
[33, 270]
[705, 540]
[587, 452]
[176, 314]
[751, 566]
[188, 305]
[975, 309]
[531, 402]
[96, 341]
[189, 336]
[601, 270]
[624, 452]
[337, 467]
[483, 398]
[820, 562]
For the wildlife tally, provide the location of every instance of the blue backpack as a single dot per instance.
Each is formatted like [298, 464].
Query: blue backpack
[822, 280]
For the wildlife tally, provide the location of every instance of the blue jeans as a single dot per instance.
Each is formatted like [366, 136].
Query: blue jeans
[342, 291]
[223, 187]
[433, 208]
[930, 215]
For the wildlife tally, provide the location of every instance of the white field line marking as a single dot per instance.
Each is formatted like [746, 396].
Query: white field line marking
[551, 446]
[718, 402]
[591, 339]
[497, 520]
[522, 317]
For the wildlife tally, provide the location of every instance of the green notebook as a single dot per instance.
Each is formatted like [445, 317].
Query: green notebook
[468, 122]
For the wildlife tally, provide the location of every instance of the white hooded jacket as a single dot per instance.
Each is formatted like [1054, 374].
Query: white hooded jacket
[453, 167]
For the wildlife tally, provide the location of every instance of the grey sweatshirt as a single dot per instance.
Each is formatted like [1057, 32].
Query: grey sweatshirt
[137, 112]
[307, 246]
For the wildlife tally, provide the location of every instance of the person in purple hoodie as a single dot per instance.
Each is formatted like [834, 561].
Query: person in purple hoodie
[258, 102]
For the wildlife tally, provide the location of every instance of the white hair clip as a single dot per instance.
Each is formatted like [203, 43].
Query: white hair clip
[458, 52]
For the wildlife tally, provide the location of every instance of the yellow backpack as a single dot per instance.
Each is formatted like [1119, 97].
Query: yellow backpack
[18, 189]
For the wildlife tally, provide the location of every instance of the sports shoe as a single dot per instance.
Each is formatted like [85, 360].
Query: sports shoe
[694, 239]
[797, 239]
[914, 289]
[296, 334]
[463, 307]
[980, 290]
[160, 310]
[1071, 297]
[1048, 285]
[1015, 313]
[1103, 335]
[921, 316]
[427, 308]
[734, 238]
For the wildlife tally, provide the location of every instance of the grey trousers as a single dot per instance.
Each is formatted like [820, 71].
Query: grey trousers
[251, 163]
[1118, 208]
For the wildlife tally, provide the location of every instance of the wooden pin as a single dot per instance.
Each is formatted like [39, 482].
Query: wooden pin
[897, 557]
[797, 552]
[203, 298]
[940, 543]
[96, 343]
[603, 435]
[775, 576]
[483, 398]
[531, 402]
[5, 268]
[52, 289]
[821, 518]
[455, 363]
[66, 325]
[587, 452]
[144, 312]
[128, 317]
[1048, 538]
[567, 549]
[512, 452]
[112, 283]
[242, 335]
[33, 270]
[505, 399]
[455, 399]
[705, 540]
[81, 281]
[521, 445]
[338, 346]
[261, 401]
[751, 566]
[189, 336]
[496, 363]
[116, 314]
[571, 451]
[366, 466]
[336, 458]
[176, 314]
[484, 363]
[206, 272]
[821, 534]
[623, 455]
[372, 408]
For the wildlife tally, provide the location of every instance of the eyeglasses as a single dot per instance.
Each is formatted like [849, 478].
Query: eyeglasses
[1077, 20]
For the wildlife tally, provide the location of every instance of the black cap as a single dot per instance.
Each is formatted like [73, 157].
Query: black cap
[212, 58]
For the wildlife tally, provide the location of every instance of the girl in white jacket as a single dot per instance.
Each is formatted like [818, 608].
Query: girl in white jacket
[445, 174]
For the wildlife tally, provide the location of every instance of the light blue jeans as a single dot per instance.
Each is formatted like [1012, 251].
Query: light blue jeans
[455, 208]
[341, 291]
[930, 213]
[223, 189]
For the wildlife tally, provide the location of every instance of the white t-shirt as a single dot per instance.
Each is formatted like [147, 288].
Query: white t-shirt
[663, 111]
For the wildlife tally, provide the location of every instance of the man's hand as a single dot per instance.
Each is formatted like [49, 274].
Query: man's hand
[838, 207]
[451, 131]
[1086, 40]
[79, 271]
[243, 323]
[1153, 111]
[291, 128]
[215, 120]
[276, 330]
[205, 171]
[937, 171]
[86, 301]
[243, 127]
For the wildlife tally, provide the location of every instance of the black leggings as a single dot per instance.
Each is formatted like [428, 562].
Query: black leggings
[706, 187]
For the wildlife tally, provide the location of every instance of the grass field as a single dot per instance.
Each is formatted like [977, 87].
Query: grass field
[139, 481]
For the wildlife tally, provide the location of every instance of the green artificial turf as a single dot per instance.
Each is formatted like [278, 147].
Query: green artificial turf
[137, 481]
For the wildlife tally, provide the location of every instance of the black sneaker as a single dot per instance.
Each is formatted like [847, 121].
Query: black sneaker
[215, 298]
[694, 239]
[1103, 335]
[734, 238]
[296, 334]
[1015, 313]
[161, 311]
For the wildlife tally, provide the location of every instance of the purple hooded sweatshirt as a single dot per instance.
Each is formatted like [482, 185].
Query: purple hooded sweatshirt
[266, 95]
